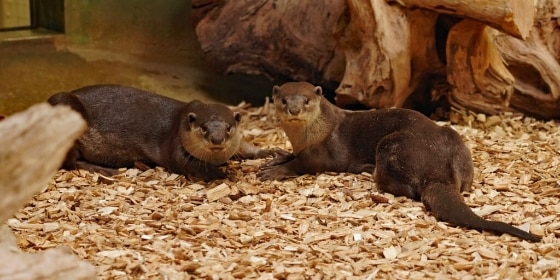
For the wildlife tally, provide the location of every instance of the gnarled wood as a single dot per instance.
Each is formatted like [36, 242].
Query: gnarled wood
[396, 52]
[476, 69]
[388, 52]
[32, 147]
[279, 39]
[514, 17]
[375, 43]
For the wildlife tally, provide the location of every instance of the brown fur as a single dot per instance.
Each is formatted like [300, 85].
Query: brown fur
[407, 152]
[128, 125]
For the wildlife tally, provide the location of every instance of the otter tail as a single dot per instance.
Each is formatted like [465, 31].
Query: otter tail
[448, 206]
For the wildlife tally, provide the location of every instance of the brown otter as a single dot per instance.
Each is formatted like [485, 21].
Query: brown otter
[127, 126]
[408, 153]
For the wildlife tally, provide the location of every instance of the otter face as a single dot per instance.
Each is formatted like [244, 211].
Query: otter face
[210, 132]
[297, 102]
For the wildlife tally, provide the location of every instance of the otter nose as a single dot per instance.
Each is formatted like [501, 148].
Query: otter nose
[216, 132]
[217, 138]
[294, 111]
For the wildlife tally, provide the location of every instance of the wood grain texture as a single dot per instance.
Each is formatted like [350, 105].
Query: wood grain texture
[395, 53]
[514, 17]
[32, 148]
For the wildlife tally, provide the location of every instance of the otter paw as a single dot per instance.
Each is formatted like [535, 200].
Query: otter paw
[106, 171]
[279, 159]
[215, 175]
[274, 173]
[272, 152]
[208, 173]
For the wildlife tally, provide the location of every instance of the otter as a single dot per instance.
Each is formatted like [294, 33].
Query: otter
[131, 127]
[407, 153]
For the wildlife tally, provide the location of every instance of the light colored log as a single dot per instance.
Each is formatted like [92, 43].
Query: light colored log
[382, 54]
[56, 263]
[376, 46]
[476, 70]
[537, 75]
[514, 17]
[33, 145]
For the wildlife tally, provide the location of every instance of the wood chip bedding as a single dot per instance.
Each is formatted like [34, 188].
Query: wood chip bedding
[155, 225]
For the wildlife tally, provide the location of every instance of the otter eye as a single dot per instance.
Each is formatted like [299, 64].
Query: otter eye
[203, 129]
[284, 102]
[306, 101]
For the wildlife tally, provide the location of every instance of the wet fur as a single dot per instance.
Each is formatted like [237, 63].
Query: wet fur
[128, 125]
[408, 153]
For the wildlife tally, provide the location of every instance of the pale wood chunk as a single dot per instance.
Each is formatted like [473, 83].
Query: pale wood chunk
[220, 191]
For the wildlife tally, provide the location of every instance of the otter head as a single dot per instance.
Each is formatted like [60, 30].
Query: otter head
[297, 102]
[209, 132]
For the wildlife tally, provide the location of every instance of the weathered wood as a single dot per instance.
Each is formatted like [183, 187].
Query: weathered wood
[476, 69]
[388, 51]
[384, 54]
[514, 17]
[375, 43]
[535, 63]
[279, 39]
[56, 263]
[32, 147]
[507, 74]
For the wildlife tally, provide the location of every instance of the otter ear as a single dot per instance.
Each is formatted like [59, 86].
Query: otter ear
[192, 117]
[318, 90]
[275, 90]
[237, 117]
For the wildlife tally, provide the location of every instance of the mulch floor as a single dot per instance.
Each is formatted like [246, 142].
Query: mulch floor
[156, 225]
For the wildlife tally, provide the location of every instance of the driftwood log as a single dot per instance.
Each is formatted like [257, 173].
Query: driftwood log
[279, 39]
[32, 148]
[485, 56]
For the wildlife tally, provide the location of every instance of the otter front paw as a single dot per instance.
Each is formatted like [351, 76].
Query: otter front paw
[272, 152]
[209, 173]
[275, 173]
[280, 159]
[106, 171]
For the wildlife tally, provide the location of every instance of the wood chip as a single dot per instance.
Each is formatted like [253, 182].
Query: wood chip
[151, 224]
[218, 192]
